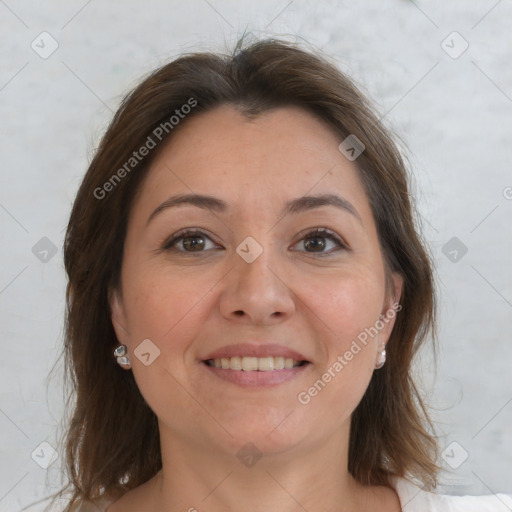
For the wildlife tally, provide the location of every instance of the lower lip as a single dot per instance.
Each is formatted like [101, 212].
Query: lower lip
[257, 378]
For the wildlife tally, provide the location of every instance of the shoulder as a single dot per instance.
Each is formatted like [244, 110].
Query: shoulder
[414, 499]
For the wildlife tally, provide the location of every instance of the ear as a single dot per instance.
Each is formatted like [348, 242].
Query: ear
[391, 307]
[118, 316]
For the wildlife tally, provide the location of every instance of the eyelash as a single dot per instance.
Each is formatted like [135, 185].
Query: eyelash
[169, 245]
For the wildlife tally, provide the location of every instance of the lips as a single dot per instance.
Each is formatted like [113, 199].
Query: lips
[255, 350]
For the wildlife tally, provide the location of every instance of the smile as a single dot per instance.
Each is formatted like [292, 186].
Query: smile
[255, 372]
[252, 364]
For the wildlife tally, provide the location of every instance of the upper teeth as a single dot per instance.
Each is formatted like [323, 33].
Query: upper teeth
[253, 363]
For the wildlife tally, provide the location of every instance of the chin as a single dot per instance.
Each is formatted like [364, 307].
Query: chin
[270, 434]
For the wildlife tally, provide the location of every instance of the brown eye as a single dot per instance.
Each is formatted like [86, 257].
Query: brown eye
[316, 244]
[189, 242]
[318, 240]
[193, 243]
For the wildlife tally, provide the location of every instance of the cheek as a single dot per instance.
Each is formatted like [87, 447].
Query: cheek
[346, 309]
[343, 375]
[162, 304]
[345, 304]
[169, 309]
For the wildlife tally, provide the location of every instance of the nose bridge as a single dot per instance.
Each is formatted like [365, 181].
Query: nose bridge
[254, 262]
[255, 286]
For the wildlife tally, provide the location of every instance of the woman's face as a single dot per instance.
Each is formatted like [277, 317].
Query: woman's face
[253, 273]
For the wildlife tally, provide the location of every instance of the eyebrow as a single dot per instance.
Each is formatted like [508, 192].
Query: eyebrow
[294, 206]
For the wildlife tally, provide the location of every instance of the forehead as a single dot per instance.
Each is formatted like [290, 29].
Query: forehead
[282, 152]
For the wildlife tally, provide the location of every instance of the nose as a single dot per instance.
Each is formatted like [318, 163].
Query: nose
[257, 292]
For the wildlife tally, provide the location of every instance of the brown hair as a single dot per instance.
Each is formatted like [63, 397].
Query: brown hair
[113, 440]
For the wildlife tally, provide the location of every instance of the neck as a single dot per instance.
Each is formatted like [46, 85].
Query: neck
[307, 478]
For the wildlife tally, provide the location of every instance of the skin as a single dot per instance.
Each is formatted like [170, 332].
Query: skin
[189, 304]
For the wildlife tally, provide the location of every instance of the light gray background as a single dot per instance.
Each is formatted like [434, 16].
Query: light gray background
[453, 113]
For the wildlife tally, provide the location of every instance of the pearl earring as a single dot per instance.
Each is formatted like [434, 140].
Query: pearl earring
[123, 360]
[381, 359]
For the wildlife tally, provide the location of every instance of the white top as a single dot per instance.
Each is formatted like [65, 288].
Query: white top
[412, 499]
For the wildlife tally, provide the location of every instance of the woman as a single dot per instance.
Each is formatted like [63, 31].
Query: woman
[246, 293]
